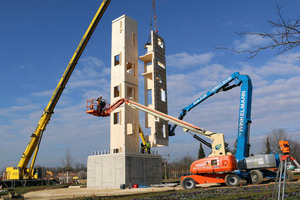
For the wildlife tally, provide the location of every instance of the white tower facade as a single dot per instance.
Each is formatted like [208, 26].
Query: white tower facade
[124, 121]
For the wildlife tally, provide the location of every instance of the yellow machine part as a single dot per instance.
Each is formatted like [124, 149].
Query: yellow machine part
[12, 173]
[35, 174]
[143, 139]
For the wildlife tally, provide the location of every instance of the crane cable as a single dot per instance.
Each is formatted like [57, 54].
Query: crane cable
[154, 17]
[153, 21]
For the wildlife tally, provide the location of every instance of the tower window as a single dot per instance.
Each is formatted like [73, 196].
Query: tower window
[117, 60]
[133, 38]
[163, 95]
[164, 131]
[130, 68]
[149, 97]
[117, 91]
[158, 78]
[161, 65]
[130, 93]
[116, 117]
[160, 43]
[129, 129]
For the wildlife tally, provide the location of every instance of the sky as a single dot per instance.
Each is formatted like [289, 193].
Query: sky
[38, 38]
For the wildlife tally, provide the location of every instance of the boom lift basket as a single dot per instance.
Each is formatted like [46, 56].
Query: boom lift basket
[93, 108]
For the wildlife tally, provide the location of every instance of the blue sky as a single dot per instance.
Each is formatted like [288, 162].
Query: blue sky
[38, 38]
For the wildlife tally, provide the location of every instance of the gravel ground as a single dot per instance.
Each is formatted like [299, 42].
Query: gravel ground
[64, 193]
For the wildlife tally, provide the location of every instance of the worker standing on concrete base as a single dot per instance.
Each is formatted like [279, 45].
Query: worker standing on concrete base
[148, 147]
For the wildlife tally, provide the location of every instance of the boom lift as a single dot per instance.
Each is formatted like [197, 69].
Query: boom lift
[244, 114]
[217, 168]
[251, 168]
[93, 107]
[22, 172]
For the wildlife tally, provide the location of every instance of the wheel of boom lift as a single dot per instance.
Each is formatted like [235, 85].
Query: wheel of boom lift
[256, 177]
[232, 180]
[188, 183]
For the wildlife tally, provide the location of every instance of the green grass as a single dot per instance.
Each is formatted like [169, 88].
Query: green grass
[260, 192]
[23, 190]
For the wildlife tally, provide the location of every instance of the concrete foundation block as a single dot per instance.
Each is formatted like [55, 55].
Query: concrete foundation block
[112, 170]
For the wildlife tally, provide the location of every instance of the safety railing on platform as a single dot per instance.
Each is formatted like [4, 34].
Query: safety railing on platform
[130, 151]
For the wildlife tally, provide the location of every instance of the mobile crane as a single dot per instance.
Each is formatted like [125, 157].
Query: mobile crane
[22, 172]
[251, 168]
[216, 168]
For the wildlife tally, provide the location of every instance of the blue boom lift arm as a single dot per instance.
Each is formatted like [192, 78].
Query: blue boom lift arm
[244, 110]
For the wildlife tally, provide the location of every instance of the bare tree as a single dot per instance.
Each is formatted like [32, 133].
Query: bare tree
[80, 167]
[281, 134]
[67, 161]
[275, 137]
[181, 166]
[295, 150]
[284, 36]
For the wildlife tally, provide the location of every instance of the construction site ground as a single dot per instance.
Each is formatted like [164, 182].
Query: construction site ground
[90, 192]
[77, 192]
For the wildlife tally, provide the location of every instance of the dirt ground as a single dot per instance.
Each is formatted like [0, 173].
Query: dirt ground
[88, 192]
[72, 192]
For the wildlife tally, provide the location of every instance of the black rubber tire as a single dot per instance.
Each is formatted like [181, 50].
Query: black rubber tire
[256, 177]
[232, 180]
[188, 183]
[290, 176]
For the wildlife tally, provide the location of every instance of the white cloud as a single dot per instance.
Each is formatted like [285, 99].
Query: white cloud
[21, 66]
[250, 41]
[182, 60]
[47, 93]
[28, 86]
[15, 110]
[283, 65]
[93, 73]
[92, 61]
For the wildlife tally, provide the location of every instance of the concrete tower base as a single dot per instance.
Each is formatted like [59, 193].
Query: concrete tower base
[112, 170]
